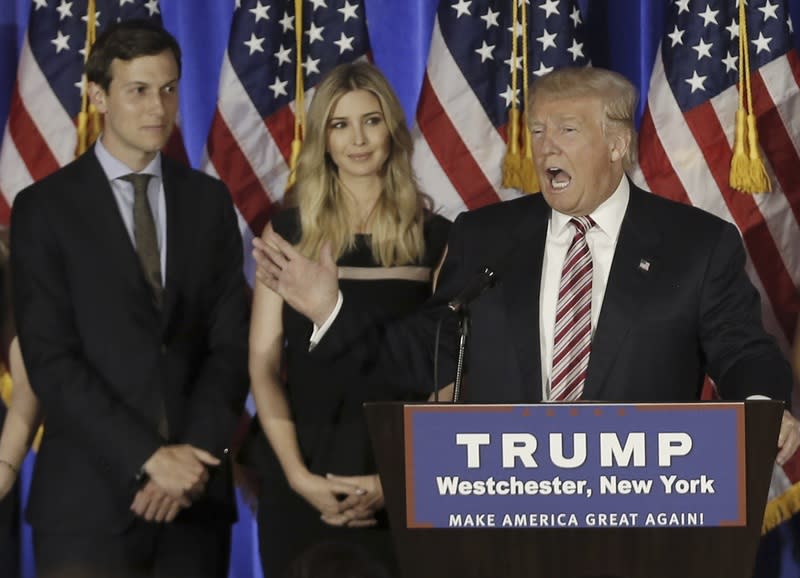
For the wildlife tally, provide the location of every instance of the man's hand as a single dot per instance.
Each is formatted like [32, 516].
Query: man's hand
[361, 507]
[180, 470]
[788, 438]
[329, 497]
[310, 287]
[155, 505]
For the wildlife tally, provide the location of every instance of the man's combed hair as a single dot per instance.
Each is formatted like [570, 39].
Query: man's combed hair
[127, 40]
[396, 224]
[619, 97]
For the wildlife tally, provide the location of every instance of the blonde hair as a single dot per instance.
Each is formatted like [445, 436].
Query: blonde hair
[618, 95]
[396, 223]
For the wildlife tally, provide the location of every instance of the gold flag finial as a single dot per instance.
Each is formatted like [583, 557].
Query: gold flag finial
[747, 173]
[89, 121]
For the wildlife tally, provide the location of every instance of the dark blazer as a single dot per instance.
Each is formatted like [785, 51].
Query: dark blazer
[678, 304]
[100, 354]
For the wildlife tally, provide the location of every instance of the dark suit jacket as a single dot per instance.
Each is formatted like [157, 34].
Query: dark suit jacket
[678, 304]
[100, 353]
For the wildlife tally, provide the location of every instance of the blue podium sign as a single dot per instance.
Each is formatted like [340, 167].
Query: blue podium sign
[575, 465]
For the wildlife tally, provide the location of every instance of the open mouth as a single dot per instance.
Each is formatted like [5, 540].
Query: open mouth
[559, 178]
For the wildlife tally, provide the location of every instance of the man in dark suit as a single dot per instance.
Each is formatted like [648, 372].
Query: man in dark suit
[132, 314]
[604, 291]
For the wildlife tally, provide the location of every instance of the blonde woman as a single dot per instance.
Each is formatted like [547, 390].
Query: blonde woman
[355, 198]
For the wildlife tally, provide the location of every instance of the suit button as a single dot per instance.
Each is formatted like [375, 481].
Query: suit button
[163, 348]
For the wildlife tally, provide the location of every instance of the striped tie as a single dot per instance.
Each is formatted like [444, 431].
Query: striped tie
[572, 337]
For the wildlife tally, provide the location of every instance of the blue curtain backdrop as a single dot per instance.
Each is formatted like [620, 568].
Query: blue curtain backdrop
[624, 36]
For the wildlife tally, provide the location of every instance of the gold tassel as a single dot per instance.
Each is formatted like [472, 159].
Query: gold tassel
[528, 175]
[748, 173]
[739, 173]
[529, 181]
[89, 121]
[299, 108]
[780, 509]
[759, 179]
[513, 161]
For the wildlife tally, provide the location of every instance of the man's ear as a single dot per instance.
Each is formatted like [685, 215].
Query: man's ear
[98, 96]
[619, 144]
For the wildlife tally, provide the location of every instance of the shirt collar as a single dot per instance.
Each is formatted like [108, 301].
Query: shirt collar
[608, 216]
[115, 168]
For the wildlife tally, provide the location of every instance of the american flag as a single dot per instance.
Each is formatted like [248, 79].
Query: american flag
[687, 134]
[249, 145]
[40, 135]
[460, 132]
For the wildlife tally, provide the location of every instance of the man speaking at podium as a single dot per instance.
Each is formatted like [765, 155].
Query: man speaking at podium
[603, 291]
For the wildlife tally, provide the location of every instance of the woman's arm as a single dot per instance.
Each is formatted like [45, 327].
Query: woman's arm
[22, 421]
[274, 413]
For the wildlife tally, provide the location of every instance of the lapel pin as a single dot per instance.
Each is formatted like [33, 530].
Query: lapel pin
[644, 265]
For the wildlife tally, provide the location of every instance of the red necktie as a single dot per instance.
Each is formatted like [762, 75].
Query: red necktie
[572, 337]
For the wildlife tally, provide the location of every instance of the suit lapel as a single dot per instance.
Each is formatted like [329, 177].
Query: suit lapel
[104, 217]
[521, 295]
[176, 234]
[633, 272]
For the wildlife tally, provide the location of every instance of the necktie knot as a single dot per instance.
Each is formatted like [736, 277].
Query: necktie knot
[139, 182]
[582, 224]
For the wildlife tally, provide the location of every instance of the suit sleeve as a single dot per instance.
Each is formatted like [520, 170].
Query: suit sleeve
[72, 394]
[219, 391]
[398, 356]
[742, 358]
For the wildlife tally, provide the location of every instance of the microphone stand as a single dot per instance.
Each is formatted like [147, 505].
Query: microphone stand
[463, 334]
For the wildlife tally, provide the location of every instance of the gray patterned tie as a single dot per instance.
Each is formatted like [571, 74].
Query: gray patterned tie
[144, 234]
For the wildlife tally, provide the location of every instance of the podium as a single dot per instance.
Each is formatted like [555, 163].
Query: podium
[577, 552]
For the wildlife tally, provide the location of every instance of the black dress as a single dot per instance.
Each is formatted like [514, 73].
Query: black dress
[326, 401]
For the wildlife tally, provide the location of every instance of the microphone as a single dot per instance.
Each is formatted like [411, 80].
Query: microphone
[473, 290]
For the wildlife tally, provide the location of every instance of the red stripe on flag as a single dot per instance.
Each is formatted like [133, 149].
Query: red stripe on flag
[777, 144]
[5, 210]
[655, 163]
[32, 147]
[248, 195]
[794, 65]
[778, 285]
[281, 126]
[453, 155]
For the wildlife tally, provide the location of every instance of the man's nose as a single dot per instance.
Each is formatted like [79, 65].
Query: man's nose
[156, 104]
